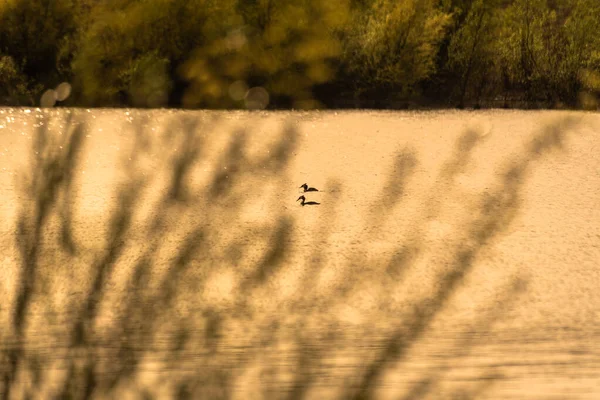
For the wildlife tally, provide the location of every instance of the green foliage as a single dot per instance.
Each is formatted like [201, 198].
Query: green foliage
[13, 83]
[473, 48]
[33, 32]
[583, 44]
[149, 82]
[211, 53]
[140, 42]
[393, 42]
[546, 46]
[284, 46]
[524, 53]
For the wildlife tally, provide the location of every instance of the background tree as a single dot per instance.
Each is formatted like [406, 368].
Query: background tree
[472, 50]
[131, 51]
[32, 33]
[301, 53]
[394, 44]
[285, 47]
[13, 83]
[582, 61]
[539, 46]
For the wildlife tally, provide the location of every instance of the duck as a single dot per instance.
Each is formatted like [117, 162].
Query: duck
[307, 203]
[309, 189]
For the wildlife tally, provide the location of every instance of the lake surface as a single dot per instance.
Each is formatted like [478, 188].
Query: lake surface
[163, 253]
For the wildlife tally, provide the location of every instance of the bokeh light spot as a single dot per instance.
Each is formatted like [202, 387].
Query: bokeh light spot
[257, 98]
[49, 98]
[63, 91]
[238, 90]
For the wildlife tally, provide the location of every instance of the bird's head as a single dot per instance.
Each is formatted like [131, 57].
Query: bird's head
[304, 185]
[301, 198]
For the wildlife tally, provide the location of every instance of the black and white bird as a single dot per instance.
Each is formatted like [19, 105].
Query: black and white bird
[307, 203]
[309, 189]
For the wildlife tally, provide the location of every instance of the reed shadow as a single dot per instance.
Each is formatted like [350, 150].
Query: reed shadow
[149, 273]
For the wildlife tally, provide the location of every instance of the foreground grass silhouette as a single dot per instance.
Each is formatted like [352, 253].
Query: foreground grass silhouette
[135, 317]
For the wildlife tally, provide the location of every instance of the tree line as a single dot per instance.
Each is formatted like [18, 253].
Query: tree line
[303, 53]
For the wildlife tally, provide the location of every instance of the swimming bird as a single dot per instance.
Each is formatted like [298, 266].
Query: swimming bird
[309, 189]
[307, 203]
